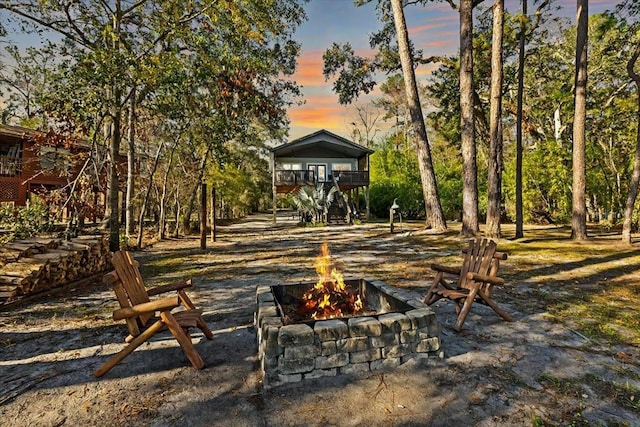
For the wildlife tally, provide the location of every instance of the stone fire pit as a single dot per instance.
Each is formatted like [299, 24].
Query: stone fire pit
[395, 328]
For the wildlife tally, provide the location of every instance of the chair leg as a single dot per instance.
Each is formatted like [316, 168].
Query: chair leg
[457, 306]
[202, 325]
[135, 343]
[183, 339]
[491, 303]
[186, 301]
[431, 296]
[468, 302]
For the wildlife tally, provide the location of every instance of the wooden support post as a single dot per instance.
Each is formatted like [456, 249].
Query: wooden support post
[391, 212]
[213, 213]
[274, 191]
[203, 216]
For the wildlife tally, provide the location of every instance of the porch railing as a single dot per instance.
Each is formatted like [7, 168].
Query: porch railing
[307, 177]
[10, 166]
[351, 177]
[294, 177]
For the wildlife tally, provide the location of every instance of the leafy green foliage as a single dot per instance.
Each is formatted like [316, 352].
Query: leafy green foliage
[548, 115]
[313, 202]
[355, 74]
[26, 221]
[394, 175]
[213, 76]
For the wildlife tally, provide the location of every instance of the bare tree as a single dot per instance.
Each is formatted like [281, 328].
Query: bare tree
[579, 208]
[366, 126]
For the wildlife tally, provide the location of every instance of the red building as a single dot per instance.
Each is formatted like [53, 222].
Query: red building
[28, 164]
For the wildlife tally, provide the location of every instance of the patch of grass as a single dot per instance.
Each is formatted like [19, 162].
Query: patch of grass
[591, 286]
[611, 315]
[625, 395]
[567, 387]
[564, 386]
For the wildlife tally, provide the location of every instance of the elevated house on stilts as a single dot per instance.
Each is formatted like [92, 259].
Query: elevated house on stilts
[323, 158]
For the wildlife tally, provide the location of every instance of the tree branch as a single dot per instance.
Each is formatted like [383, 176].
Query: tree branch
[50, 25]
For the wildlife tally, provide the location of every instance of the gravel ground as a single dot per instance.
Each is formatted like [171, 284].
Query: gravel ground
[494, 373]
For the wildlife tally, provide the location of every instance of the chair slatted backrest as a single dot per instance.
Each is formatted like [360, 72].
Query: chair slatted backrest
[133, 285]
[479, 258]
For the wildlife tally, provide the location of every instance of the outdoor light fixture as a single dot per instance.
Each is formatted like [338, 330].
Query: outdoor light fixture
[392, 212]
[395, 206]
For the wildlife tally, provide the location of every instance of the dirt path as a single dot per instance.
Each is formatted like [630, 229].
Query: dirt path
[494, 373]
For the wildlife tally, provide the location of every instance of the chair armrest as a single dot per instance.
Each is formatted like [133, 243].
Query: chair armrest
[446, 269]
[494, 280]
[110, 278]
[146, 307]
[175, 286]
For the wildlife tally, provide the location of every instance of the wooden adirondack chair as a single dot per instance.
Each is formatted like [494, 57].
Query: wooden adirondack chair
[138, 311]
[476, 279]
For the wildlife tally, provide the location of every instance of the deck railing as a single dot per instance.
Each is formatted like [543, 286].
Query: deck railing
[10, 166]
[307, 177]
[294, 177]
[351, 177]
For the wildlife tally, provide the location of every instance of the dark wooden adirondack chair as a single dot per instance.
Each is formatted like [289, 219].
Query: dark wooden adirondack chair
[475, 280]
[139, 311]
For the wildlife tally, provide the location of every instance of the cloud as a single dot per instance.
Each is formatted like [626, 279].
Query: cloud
[318, 112]
[310, 65]
[309, 70]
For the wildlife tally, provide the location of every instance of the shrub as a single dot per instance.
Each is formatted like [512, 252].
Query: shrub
[26, 221]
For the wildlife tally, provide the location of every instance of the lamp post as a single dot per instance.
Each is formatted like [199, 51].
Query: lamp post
[392, 212]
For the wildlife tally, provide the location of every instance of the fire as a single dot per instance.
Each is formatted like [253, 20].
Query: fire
[330, 297]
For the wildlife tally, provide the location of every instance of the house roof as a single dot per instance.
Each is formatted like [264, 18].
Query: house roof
[8, 132]
[321, 140]
[17, 131]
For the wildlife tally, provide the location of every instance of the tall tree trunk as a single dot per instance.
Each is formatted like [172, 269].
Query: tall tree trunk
[107, 125]
[176, 231]
[635, 176]
[143, 208]
[579, 207]
[163, 197]
[114, 187]
[186, 221]
[131, 157]
[558, 128]
[495, 124]
[116, 139]
[435, 216]
[470, 225]
[521, 58]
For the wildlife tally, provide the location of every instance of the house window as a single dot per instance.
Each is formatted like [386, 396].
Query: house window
[291, 166]
[319, 171]
[53, 158]
[341, 166]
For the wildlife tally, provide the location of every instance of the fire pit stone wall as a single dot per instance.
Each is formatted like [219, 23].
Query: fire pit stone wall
[294, 352]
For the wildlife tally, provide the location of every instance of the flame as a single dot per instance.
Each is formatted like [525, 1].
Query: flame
[330, 297]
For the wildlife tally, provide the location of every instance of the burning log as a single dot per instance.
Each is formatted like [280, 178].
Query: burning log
[329, 297]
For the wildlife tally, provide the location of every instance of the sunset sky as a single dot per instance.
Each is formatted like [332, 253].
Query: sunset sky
[432, 28]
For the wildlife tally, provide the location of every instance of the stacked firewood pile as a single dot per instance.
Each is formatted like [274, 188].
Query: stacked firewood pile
[39, 264]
